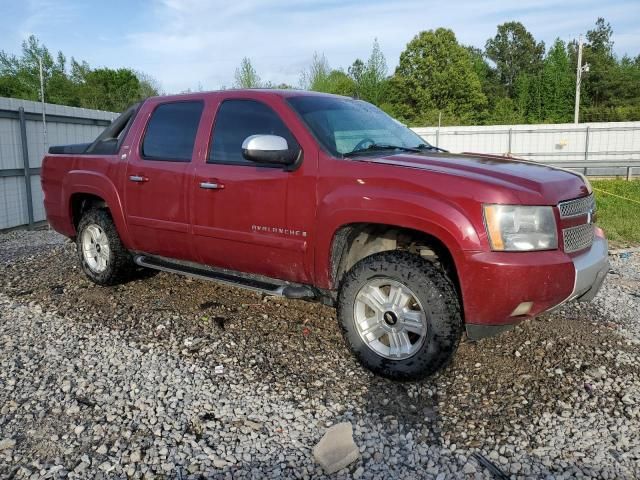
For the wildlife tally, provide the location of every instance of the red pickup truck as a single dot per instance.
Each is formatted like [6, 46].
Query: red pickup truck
[327, 198]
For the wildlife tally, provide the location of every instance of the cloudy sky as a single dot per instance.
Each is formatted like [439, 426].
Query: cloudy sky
[187, 43]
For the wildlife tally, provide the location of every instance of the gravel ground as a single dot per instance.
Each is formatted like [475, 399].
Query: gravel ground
[176, 378]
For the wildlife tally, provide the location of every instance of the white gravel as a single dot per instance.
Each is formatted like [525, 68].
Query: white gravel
[105, 383]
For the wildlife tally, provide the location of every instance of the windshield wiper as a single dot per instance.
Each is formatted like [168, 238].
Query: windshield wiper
[426, 146]
[381, 146]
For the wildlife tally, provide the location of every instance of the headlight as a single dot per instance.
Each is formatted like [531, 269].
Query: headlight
[520, 228]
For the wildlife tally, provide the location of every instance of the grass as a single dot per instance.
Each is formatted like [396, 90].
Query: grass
[619, 218]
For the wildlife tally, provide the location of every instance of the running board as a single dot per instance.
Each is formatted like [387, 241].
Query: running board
[227, 277]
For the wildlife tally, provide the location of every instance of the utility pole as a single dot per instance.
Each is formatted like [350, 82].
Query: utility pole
[579, 70]
[44, 120]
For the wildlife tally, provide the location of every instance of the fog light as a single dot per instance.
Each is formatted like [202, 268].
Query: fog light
[522, 309]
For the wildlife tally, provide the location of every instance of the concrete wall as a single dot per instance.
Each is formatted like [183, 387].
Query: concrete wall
[65, 125]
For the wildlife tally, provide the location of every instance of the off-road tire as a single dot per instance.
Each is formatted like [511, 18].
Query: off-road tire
[439, 301]
[120, 265]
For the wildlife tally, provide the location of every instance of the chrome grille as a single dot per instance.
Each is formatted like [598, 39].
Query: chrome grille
[578, 238]
[577, 207]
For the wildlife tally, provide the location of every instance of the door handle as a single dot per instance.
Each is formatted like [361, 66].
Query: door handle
[138, 178]
[211, 186]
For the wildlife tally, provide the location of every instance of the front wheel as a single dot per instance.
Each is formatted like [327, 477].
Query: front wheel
[102, 256]
[400, 315]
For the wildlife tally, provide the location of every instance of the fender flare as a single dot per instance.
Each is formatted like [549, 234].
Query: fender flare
[434, 217]
[93, 183]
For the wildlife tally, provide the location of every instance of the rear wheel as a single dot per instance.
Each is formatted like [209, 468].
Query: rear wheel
[400, 315]
[102, 257]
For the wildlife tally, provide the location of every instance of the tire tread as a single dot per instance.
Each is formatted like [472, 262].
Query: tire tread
[435, 289]
[121, 265]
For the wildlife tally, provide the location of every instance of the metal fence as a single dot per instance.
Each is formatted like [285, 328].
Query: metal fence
[23, 144]
[594, 148]
[597, 149]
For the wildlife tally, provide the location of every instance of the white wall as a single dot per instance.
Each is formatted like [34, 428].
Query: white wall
[609, 144]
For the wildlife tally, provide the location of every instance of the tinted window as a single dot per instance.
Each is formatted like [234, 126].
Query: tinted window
[238, 119]
[171, 132]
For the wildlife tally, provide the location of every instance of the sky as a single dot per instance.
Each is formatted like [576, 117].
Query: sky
[192, 44]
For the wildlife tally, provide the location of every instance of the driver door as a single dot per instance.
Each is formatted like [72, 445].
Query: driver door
[240, 209]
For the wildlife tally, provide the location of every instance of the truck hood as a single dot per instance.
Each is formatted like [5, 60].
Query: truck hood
[534, 182]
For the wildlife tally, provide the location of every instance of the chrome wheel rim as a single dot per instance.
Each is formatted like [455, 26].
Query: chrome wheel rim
[390, 319]
[95, 248]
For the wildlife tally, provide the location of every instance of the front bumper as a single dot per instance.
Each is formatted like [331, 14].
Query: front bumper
[495, 284]
[591, 270]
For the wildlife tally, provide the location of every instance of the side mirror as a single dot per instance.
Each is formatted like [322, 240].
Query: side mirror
[270, 149]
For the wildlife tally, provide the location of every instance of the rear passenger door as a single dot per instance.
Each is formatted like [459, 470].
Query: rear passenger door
[240, 209]
[158, 179]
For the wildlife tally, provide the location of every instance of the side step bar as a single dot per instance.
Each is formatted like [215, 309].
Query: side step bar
[227, 277]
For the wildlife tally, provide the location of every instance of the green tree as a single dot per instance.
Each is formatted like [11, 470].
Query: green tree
[356, 70]
[278, 86]
[75, 84]
[246, 76]
[504, 111]
[558, 85]
[598, 53]
[515, 52]
[149, 86]
[610, 87]
[492, 88]
[528, 97]
[370, 79]
[316, 76]
[108, 89]
[25, 69]
[435, 74]
[320, 77]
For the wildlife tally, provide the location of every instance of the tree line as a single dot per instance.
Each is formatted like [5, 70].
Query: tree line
[72, 83]
[513, 79]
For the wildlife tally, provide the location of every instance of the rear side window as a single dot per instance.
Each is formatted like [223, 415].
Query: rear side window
[171, 132]
[238, 119]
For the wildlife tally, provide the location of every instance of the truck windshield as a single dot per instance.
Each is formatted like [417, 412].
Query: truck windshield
[347, 127]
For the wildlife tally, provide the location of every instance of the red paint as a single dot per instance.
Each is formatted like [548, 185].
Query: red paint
[439, 194]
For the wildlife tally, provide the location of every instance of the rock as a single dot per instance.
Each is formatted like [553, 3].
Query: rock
[220, 463]
[253, 425]
[597, 373]
[358, 473]
[336, 448]
[469, 468]
[73, 410]
[153, 406]
[7, 444]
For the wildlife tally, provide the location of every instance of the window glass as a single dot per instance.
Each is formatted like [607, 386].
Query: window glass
[171, 132]
[343, 124]
[238, 119]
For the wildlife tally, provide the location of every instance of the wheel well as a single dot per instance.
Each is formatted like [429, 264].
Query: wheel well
[82, 202]
[354, 242]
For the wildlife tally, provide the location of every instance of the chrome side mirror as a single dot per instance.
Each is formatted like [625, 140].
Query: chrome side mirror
[271, 149]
